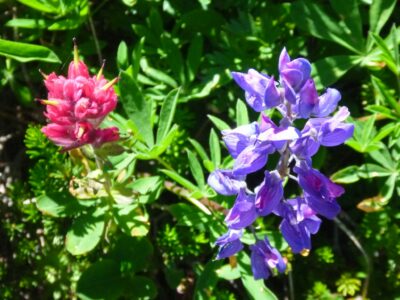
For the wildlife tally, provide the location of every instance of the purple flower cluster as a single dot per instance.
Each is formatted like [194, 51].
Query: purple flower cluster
[295, 97]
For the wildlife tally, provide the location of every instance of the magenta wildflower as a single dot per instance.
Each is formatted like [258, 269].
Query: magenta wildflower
[76, 106]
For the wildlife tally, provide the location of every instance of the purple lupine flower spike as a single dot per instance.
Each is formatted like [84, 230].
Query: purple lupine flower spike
[295, 97]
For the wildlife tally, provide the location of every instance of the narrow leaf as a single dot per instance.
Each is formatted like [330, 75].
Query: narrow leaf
[220, 124]
[196, 169]
[215, 149]
[136, 107]
[23, 52]
[167, 114]
[242, 115]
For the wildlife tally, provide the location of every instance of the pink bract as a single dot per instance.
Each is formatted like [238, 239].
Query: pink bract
[77, 105]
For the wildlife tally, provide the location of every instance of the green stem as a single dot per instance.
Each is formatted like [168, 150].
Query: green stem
[165, 164]
[357, 243]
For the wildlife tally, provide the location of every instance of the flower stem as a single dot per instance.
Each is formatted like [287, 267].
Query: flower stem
[357, 243]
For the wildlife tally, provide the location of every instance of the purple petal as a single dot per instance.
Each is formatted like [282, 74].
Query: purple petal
[296, 236]
[243, 212]
[304, 147]
[332, 137]
[308, 99]
[327, 208]
[269, 193]
[316, 184]
[272, 96]
[236, 140]
[229, 249]
[284, 59]
[258, 266]
[225, 183]
[255, 101]
[312, 224]
[327, 103]
[279, 134]
[289, 92]
[250, 160]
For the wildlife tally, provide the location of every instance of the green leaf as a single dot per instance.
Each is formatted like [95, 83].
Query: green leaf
[194, 55]
[329, 69]
[136, 57]
[380, 109]
[384, 94]
[85, 233]
[228, 272]
[207, 281]
[136, 107]
[196, 169]
[132, 252]
[43, 6]
[220, 124]
[122, 55]
[384, 158]
[202, 90]
[174, 57]
[256, 289]
[379, 13]
[388, 187]
[387, 55]
[346, 175]
[385, 131]
[215, 149]
[27, 23]
[131, 219]
[311, 17]
[167, 114]
[350, 18]
[23, 52]
[199, 149]
[145, 185]
[372, 171]
[367, 130]
[188, 215]
[142, 288]
[242, 115]
[157, 74]
[102, 280]
[181, 180]
[58, 205]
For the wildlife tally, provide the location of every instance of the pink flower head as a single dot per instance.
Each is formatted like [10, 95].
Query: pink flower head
[77, 105]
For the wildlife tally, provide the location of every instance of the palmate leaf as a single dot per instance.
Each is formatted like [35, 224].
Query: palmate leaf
[329, 69]
[312, 17]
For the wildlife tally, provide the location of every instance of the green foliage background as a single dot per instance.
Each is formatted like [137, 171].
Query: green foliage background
[61, 239]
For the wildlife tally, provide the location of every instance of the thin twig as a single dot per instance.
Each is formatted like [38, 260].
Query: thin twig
[204, 204]
[96, 41]
[357, 243]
